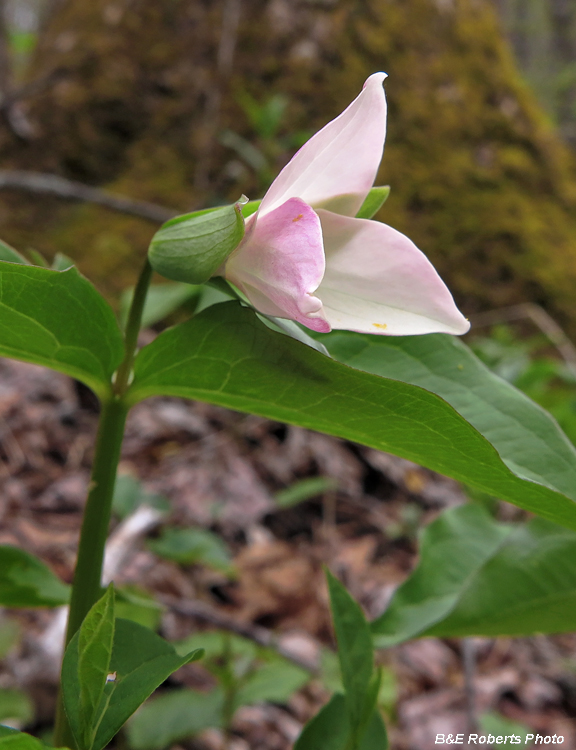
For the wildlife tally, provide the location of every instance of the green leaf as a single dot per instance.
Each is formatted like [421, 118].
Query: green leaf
[304, 490]
[189, 546]
[7, 253]
[95, 641]
[57, 319]
[161, 301]
[141, 661]
[136, 604]
[26, 582]
[217, 643]
[226, 356]
[375, 737]
[12, 739]
[218, 290]
[15, 707]
[526, 437]
[274, 682]
[174, 716]
[330, 730]
[38, 259]
[373, 202]
[62, 262]
[192, 248]
[480, 577]
[129, 494]
[292, 329]
[355, 651]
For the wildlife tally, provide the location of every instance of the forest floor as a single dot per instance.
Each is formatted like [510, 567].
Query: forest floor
[221, 471]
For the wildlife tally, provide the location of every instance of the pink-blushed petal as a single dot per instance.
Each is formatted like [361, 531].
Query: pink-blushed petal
[280, 263]
[378, 281]
[342, 159]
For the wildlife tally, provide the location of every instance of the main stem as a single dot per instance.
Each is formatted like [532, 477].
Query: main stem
[87, 585]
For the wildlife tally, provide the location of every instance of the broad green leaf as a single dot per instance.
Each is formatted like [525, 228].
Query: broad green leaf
[26, 582]
[57, 319]
[188, 546]
[193, 247]
[274, 682]
[304, 490]
[95, 640]
[141, 661]
[16, 707]
[355, 650]
[226, 356]
[161, 301]
[527, 438]
[7, 253]
[480, 577]
[373, 202]
[12, 739]
[330, 730]
[174, 716]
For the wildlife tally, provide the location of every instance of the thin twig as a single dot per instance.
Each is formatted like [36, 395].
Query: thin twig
[50, 184]
[540, 318]
[261, 636]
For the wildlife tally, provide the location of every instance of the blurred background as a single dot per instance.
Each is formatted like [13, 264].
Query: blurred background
[183, 104]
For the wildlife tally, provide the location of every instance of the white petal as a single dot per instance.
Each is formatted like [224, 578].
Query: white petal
[342, 159]
[377, 281]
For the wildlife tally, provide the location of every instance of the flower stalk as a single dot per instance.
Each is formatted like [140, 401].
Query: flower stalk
[87, 584]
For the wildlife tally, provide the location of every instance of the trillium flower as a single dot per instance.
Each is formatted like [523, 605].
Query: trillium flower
[307, 258]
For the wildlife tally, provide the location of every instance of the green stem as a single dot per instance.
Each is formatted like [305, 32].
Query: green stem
[87, 585]
[133, 328]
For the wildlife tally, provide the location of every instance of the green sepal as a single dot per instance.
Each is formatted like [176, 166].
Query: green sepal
[191, 248]
[250, 208]
[374, 201]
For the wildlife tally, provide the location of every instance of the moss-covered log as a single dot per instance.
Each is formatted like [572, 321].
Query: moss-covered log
[479, 179]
